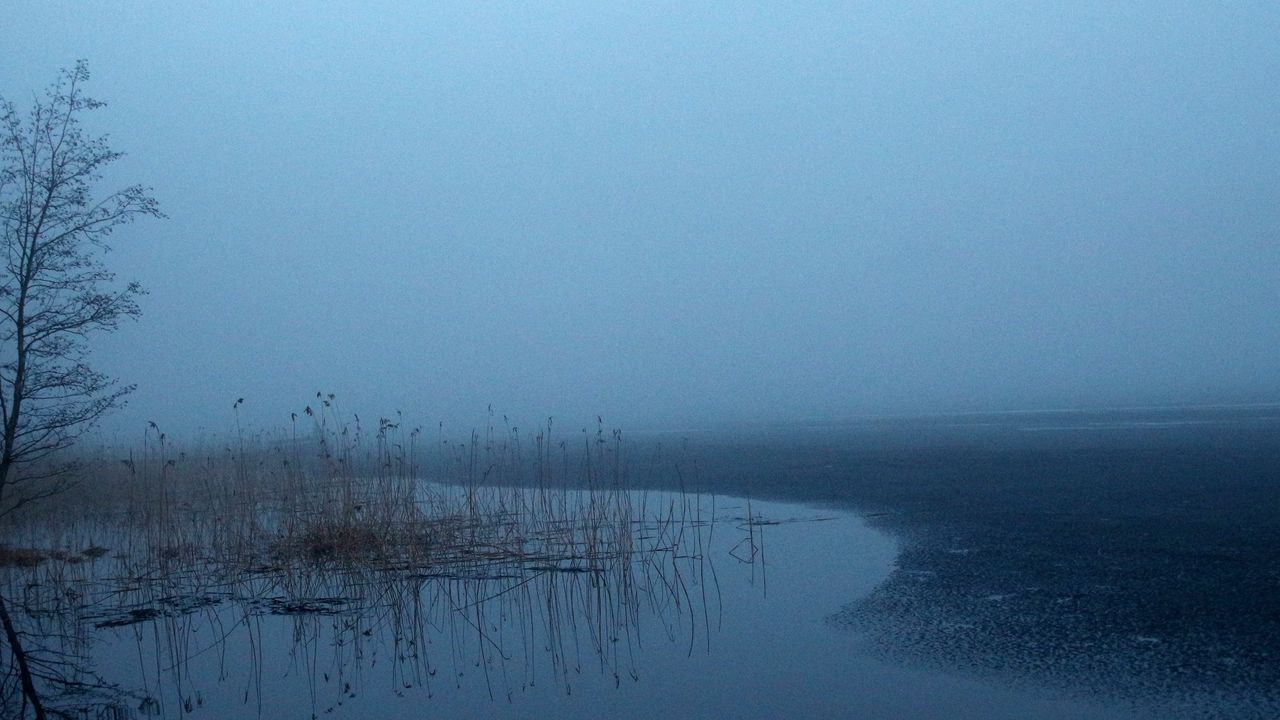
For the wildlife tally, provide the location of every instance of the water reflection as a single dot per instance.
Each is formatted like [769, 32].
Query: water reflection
[542, 592]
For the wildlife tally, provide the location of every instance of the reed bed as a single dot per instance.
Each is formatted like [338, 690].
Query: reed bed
[533, 558]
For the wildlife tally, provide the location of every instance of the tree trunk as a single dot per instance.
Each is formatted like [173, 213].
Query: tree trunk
[20, 656]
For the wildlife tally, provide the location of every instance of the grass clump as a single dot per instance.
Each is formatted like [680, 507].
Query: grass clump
[21, 557]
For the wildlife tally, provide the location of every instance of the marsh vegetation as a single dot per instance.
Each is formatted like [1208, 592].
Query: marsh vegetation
[505, 561]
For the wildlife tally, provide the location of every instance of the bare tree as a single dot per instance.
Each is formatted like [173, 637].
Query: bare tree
[55, 290]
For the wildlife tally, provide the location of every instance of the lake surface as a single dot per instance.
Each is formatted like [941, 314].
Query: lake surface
[1056, 565]
[738, 621]
[1125, 555]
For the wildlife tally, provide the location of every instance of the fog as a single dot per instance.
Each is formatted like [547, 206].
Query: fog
[683, 214]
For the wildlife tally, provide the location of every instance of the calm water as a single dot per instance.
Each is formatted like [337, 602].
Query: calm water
[735, 621]
[1127, 556]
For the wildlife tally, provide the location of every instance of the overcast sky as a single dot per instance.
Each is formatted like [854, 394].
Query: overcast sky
[675, 214]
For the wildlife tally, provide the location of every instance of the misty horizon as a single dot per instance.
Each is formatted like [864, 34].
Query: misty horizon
[673, 216]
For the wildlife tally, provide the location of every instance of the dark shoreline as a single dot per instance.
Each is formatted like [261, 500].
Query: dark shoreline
[1130, 555]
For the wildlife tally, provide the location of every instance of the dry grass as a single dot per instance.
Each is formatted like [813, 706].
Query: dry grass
[331, 516]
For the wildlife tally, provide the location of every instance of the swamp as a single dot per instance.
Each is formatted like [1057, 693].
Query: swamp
[335, 571]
